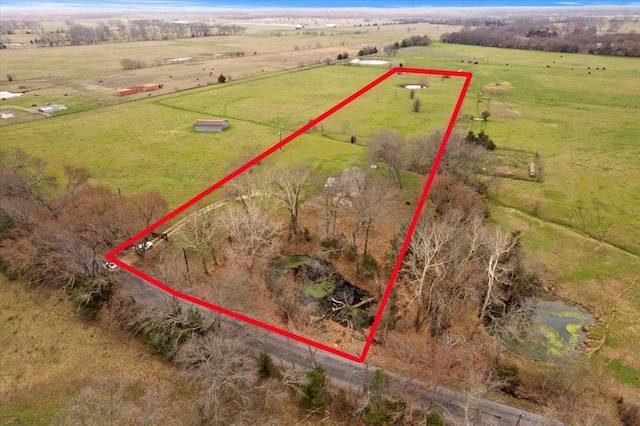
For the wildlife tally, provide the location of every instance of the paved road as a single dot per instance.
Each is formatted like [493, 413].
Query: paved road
[458, 407]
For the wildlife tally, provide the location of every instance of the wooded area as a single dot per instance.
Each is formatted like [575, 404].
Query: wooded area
[570, 37]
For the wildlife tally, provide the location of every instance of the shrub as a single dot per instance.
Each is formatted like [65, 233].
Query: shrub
[509, 376]
[89, 293]
[333, 244]
[167, 328]
[417, 105]
[481, 139]
[368, 265]
[313, 393]
[381, 411]
[434, 419]
[130, 64]
[222, 78]
[350, 252]
[306, 235]
[266, 367]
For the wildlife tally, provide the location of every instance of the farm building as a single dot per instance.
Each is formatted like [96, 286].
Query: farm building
[211, 125]
[47, 110]
[125, 92]
[6, 114]
[149, 87]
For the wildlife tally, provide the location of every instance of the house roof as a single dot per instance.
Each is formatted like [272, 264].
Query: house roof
[214, 123]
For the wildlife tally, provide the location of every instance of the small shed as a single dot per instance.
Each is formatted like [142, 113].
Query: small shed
[47, 110]
[202, 125]
[149, 87]
[125, 92]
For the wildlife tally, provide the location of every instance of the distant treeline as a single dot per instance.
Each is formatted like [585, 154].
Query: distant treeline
[115, 31]
[391, 49]
[551, 38]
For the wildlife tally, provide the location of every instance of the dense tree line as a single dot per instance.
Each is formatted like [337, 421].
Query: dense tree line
[416, 40]
[118, 31]
[56, 233]
[566, 38]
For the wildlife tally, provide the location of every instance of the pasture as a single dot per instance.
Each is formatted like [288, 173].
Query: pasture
[146, 145]
[580, 223]
[268, 46]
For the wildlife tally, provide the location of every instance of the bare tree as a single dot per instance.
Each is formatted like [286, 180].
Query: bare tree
[422, 151]
[373, 199]
[253, 233]
[220, 369]
[498, 246]
[442, 264]
[151, 205]
[76, 176]
[291, 187]
[387, 146]
[425, 264]
[246, 188]
[201, 233]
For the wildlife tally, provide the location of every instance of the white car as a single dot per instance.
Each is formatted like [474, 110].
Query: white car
[148, 245]
[110, 266]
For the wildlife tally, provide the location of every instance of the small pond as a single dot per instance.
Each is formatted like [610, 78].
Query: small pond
[373, 62]
[414, 86]
[320, 284]
[6, 95]
[556, 332]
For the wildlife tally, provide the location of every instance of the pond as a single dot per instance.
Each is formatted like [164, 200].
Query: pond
[6, 95]
[320, 284]
[556, 332]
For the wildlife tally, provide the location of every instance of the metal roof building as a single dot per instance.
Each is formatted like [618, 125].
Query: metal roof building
[202, 125]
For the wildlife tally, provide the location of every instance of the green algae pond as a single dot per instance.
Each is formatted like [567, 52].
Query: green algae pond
[556, 331]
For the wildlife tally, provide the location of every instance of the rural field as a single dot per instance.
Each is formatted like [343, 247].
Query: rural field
[52, 358]
[575, 115]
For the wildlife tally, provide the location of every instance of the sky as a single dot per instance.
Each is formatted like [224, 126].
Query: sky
[333, 4]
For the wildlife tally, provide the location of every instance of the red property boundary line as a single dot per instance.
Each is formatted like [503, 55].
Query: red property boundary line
[111, 256]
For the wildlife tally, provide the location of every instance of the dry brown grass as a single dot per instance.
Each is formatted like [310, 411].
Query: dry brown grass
[48, 354]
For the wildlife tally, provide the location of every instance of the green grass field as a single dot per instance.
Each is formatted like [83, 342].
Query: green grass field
[151, 144]
[584, 126]
[581, 224]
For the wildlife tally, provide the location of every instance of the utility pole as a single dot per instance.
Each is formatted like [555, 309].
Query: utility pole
[186, 262]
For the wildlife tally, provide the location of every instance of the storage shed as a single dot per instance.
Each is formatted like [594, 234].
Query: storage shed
[202, 125]
[149, 87]
[125, 92]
